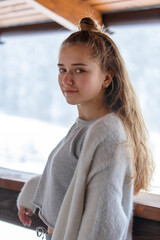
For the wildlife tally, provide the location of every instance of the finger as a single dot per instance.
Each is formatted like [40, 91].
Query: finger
[21, 212]
[30, 213]
[23, 216]
[25, 219]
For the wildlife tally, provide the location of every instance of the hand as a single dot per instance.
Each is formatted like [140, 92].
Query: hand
[24, 216]
[50, 231]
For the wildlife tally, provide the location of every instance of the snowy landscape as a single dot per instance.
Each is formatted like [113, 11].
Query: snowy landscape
[26, 143]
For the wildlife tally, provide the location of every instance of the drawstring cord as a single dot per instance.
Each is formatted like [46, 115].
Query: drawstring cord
[41, 231]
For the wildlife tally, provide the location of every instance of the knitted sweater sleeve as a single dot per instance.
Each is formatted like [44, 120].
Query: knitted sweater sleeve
[108, 200]
[25, 197]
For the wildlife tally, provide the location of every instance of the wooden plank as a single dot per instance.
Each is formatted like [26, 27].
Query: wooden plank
[126, 5]
[17, 14]
[7, 3]
[65, 12]
[14, 8]
[148, 199]
[147, 205]
[24, 20]
[147, 212]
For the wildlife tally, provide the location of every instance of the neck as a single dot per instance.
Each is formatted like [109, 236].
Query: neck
[92, 113]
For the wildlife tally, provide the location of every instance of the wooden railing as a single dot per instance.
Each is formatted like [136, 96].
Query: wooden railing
[146, 222]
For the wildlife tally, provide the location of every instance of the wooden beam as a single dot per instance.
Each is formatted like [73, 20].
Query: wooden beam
[112, 6]
[32, 28]
[132, 17]
[66, 12]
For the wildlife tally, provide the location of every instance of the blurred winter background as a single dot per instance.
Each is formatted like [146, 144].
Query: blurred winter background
[33, 113]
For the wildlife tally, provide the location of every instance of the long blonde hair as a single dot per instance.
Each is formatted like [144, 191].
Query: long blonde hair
[120, 96]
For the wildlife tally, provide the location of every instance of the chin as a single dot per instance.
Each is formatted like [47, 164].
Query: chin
[71, 102]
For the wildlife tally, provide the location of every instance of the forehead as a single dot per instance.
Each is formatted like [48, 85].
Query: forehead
[75, 53]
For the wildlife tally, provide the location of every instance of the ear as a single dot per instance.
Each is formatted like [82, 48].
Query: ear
[107, 80]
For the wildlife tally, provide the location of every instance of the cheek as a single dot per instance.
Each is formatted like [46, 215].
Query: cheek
[60, 82]
[89, 84]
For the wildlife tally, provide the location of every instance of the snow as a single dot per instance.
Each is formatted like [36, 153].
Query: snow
[10, 231]
[26, 143]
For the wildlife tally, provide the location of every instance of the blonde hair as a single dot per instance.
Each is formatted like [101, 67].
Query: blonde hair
[120, 96]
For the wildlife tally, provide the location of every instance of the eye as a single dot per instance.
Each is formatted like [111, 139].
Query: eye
[79, 70]
[62, 70]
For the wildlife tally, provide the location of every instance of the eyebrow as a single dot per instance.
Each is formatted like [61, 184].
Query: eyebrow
[74, 64]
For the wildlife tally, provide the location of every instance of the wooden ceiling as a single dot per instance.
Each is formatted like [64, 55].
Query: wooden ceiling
[67, 13]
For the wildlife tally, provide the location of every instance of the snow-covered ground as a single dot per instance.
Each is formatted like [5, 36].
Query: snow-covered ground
[10, 231]
[26, 143]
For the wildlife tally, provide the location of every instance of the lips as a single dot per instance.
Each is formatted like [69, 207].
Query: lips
[69, 91]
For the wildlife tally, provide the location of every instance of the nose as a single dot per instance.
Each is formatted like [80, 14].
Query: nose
[67, 79]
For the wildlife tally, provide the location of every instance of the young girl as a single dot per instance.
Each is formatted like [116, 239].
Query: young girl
[86, 189]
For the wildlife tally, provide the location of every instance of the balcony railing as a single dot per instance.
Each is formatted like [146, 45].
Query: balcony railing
[146, 223]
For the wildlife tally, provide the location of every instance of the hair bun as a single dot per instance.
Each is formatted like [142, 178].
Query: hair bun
[88, 24]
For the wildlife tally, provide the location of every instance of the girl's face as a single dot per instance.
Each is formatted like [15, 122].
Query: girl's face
[80, 78]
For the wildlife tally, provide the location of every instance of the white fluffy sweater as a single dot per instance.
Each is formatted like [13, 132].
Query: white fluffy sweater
[98, 204]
